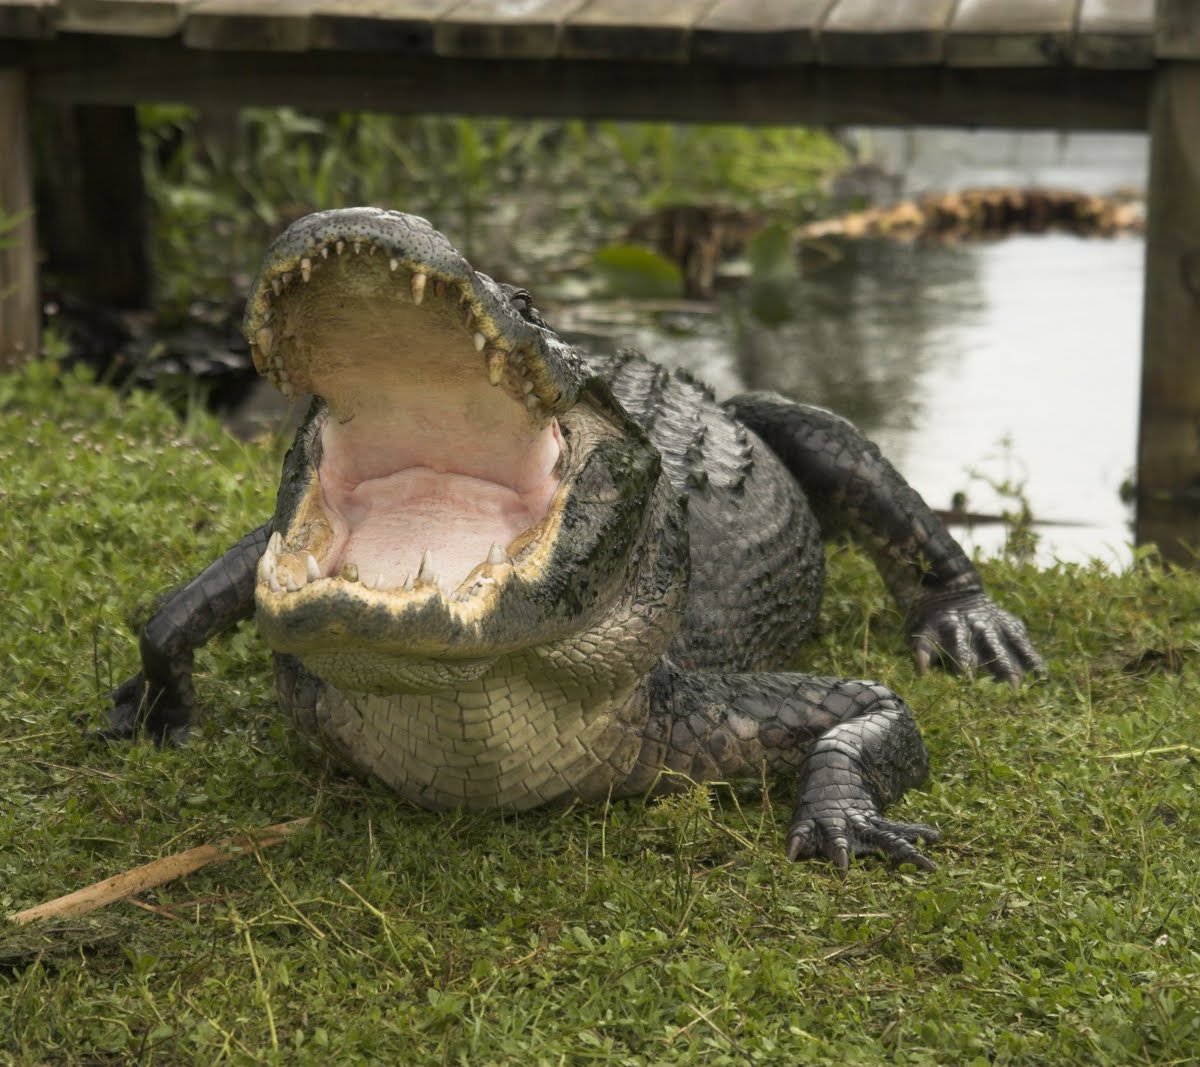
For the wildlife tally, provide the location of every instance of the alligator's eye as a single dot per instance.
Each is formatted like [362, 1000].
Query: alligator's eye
[522, 301]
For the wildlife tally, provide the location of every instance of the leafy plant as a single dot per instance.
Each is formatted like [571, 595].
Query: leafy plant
[516, 194]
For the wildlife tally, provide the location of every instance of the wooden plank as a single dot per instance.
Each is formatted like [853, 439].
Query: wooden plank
[248, 25]
[1011, 33]
[133, 18]
[1177, 33]
[1168, 474]
[515, 29]
[632, 30]
[885, 32]
[1115, 33]
[399, 27]
[759, 31]
[20, 309]
[127, 69]
[28, 18]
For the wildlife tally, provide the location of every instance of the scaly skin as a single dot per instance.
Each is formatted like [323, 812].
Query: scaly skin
[623, 634]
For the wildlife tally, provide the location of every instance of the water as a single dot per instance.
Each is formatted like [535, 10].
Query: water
[1008, 361]
[945, 159]
[971, 365]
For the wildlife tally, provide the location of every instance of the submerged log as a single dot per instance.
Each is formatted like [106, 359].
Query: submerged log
[989, 212]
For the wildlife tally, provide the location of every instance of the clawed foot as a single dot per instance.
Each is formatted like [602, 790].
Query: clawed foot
[137, 710]
[966, 631]
[840, 833]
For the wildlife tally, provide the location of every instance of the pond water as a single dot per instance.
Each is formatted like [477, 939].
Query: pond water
[972, 364]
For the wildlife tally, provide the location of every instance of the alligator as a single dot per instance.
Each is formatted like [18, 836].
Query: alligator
[499, 575]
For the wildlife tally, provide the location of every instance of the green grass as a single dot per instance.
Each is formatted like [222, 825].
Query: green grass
[1061, 928]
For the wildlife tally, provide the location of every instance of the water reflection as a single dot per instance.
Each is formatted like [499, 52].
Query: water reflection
[1016, 360]
[863, 329]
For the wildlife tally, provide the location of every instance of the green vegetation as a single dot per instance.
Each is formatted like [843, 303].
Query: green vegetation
[1061, 927]
[514, 196]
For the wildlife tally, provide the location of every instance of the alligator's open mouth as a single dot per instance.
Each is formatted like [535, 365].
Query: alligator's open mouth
[441, 456]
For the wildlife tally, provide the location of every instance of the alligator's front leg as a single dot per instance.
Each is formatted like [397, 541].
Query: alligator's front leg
[159, 699]
[854, 746]
[851, 487]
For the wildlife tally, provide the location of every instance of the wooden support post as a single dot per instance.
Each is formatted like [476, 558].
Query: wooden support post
[1168, 475]
[92, 211]
[19, 308]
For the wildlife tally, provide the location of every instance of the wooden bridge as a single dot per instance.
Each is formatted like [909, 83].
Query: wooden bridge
[1058, 64]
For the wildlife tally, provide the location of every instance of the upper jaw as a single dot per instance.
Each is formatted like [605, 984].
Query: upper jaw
[541, 371]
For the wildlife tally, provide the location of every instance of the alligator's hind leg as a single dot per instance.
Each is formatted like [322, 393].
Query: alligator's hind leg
[851, 487]
[159, 699]
[854, 746]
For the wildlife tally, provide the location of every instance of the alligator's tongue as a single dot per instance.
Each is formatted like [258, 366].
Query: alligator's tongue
[404, 508]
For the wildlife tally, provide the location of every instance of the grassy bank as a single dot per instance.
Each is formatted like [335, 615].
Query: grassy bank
[1061, 927]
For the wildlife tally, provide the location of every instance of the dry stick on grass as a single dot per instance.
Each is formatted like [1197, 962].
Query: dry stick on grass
[158, 872]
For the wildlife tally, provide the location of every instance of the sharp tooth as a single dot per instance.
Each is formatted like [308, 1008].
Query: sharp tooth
[275, 544]
[425, 573]
[480, 341]
[370, 250]
[408, 584]
[357, 247]
[531, 402]
[286, 389]
[418, 288]
[497, 555]
[439, 287]
[311, 567]
[350, 572]
[393, 263]
[325, 251]
[286, 278]
[276, 286]
[305, 268]
[340, 247]
[273, 585]
[264, 338]
[293, 586]
[527, 387]
[269, 561]
[469, 318]
[378, 583]
[495, 364]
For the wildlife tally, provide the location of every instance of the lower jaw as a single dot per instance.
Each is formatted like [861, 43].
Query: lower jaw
[364, 671]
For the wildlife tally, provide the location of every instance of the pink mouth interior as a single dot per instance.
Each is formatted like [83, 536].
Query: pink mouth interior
[390, 498]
